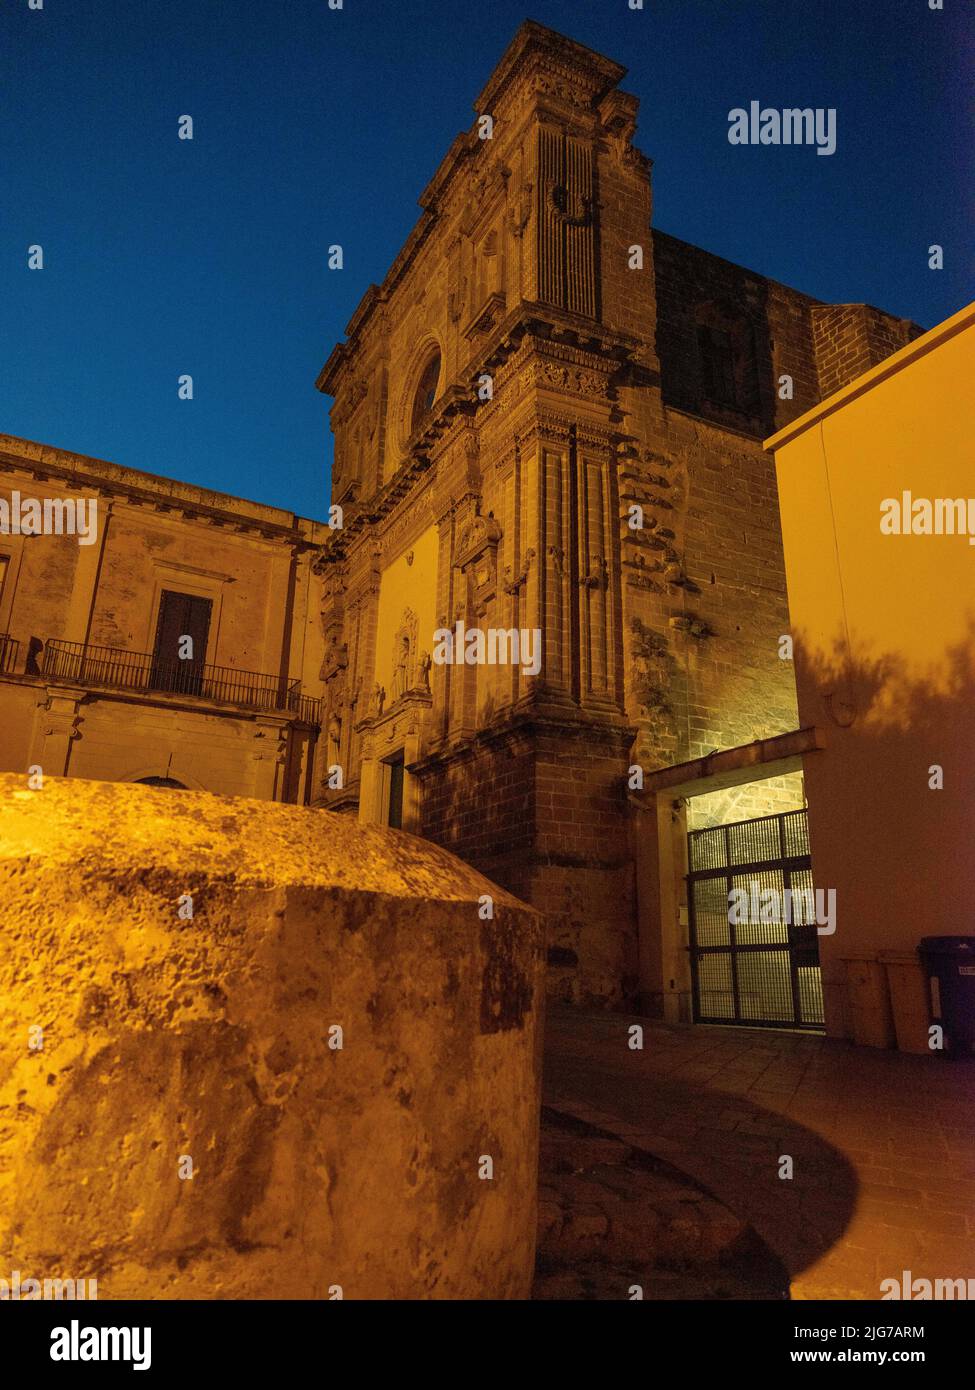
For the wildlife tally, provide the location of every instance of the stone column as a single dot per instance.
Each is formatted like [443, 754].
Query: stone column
[370, 783]
[660, 855]
[442, 685]
[279, 614]
[509, 482]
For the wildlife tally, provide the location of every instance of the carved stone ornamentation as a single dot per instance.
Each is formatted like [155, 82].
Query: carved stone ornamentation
[487, 317]
[566, 241]
[404, 655]
[548, 85]
[456, 280]
[512, 584]
[520, 210]
[568, 205]
[336, 656]
[565, 377]
[597, 575]
[476, 554]
[476, 536]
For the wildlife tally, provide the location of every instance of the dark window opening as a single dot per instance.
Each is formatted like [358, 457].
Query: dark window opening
[426, 391]
[180, 650]
[717, 353]
[394, 799]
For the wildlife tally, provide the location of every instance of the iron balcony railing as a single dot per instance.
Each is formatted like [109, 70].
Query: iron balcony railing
[9, 654]
[308, 709]
[145, 671]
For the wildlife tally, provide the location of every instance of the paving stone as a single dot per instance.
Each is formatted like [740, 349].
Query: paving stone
[882, 1143]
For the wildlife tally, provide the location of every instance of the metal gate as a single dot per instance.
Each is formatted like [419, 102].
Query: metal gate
[754, 956]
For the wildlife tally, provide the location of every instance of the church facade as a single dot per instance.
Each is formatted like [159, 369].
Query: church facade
[548, 430]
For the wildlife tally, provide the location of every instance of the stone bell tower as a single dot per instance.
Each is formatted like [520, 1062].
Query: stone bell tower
[495, 496]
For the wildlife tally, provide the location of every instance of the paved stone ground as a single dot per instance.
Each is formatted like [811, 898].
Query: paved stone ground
[882, 1143]
[617, 1223]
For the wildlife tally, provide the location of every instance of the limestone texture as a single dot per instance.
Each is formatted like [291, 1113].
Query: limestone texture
[139, 1043]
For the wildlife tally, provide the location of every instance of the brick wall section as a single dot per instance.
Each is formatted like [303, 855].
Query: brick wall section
[583, 873]
[849, 339]
[746, 802]
[887, 334]
[545, 816]
[822, 347]
[482, 807]
[778, 319]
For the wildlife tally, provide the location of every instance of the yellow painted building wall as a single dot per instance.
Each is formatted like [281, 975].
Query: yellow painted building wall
[884, 627]
[409, 582]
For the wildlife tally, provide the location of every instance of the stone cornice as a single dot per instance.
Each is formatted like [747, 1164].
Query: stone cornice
[166, 495]
[522, 724]
[536, 46]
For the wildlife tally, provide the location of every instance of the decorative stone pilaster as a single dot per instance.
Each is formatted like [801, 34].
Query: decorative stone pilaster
[599, 586]
[56, 727]
[462, 680]
[555, 549]
[270, 756]
[440, 675]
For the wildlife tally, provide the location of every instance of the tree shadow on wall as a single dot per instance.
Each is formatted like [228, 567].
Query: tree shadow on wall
[899, 731]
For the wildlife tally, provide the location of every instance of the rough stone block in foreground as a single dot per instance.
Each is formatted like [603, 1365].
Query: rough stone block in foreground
[209, 1038]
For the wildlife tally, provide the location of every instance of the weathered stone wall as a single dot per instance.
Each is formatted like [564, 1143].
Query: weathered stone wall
[705, 601]
[164, 1038]
[482, 804]
[76, 731]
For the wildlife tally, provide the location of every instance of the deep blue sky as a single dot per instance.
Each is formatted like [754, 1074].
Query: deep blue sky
[315, 126]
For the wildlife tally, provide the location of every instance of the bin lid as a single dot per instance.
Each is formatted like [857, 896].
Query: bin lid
[947, 945]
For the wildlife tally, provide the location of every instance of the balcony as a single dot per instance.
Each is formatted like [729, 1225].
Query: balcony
[9, 654]
[145, 672]
[308, 710]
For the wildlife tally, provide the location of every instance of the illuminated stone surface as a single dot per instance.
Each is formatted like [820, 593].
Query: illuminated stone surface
[209, 1037]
